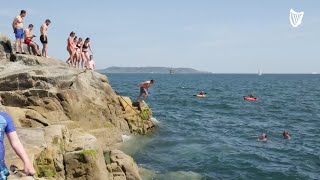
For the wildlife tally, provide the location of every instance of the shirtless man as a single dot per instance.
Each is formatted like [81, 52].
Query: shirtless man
[28, 40]
[144, 86]
[44, 38]
[17, 26]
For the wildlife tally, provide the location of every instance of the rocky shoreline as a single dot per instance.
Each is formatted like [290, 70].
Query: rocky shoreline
[68, 119]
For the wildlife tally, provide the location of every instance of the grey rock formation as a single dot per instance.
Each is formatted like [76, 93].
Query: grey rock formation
[67, 118]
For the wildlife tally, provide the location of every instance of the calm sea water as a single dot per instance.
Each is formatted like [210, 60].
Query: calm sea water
[215, 137]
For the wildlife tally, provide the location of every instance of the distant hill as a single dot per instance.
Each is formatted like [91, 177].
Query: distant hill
[156, 70]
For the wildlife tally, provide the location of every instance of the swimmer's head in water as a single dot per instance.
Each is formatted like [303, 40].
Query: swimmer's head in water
[151, 81]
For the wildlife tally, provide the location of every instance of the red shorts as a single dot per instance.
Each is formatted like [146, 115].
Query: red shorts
[27, 41]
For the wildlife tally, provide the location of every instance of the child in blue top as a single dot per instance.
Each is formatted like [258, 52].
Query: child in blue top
[7, 126]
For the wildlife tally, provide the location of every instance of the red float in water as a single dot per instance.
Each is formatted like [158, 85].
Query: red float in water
[248, 98]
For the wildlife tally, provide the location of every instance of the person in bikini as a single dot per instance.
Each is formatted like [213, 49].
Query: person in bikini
[144, 87]
[44, 38]
[28, 40]
[75, 60]
[17, 26]
[78, 49]
[70, 48]
[85, 53]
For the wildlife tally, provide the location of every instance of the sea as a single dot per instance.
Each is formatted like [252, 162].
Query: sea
[216, 137]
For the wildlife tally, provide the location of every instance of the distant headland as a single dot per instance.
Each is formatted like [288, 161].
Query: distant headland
[156, 70]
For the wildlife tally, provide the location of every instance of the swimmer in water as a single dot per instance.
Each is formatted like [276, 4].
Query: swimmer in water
[263, 137]
[286, 135]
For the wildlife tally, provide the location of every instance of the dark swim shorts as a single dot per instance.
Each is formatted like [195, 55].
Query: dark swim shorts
[44, 39]
[143, 91]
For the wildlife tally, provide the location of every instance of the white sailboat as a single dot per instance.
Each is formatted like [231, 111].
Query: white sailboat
[260, 72]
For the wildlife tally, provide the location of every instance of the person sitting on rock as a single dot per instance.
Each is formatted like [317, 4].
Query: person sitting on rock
[28, 40]
[7, 126]
[90, 64]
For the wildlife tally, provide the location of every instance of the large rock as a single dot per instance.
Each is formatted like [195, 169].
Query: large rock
[126, 164]
[5, 48]
[86, 164]
[34, 143]
[67, 117]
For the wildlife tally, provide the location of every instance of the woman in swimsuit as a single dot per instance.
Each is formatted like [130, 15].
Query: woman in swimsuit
[75, 41]
[85, 53]
[78, 49]
[70, 48]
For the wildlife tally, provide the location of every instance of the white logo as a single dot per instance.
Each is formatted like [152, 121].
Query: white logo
[295, 18]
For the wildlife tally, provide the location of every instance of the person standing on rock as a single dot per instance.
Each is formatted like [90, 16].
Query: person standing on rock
[44, 38]
[7, 127]
[17, 26]
[70, 48]
[28, 40]
[85, 53]
[144, 87]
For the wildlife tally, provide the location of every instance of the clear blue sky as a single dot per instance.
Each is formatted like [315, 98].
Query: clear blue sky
[233, 36]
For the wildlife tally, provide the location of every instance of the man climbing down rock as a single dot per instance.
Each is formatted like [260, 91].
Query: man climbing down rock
[144, 87]
[7, 126]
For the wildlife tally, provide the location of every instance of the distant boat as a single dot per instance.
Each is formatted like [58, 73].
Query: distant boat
[171, 71]
[259, 72]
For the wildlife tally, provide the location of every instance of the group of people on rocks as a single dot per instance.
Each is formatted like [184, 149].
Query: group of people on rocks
[78, 49]
[26, 36]
[79, 52]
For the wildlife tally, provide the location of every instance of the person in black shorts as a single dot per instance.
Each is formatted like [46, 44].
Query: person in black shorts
[44, 38]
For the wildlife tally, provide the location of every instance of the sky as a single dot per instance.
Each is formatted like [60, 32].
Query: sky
[220, 36]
